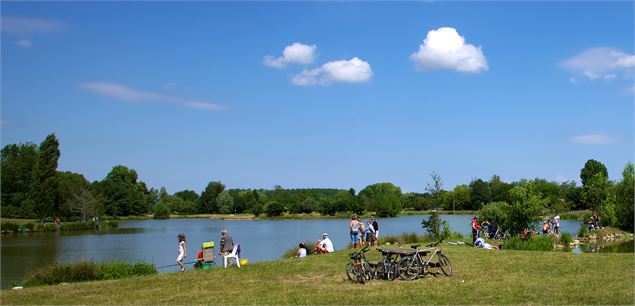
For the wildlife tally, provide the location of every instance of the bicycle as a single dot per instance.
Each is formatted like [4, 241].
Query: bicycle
[358, 268]
[410, 267]
[387, 267]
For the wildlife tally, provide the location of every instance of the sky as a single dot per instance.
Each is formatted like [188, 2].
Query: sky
[322, 94]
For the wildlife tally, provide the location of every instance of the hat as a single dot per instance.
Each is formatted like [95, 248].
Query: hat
[325, 234]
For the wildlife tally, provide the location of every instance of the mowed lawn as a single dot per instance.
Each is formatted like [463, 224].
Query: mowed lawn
[480, 277]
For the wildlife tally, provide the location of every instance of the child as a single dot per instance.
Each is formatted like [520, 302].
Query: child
[182, 251]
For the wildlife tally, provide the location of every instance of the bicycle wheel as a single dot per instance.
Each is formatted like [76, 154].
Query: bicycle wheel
[391, 271]
[444, 264]
[361, 275]
[380, 270]
[409, 268]
[368, 271]
[350, 271]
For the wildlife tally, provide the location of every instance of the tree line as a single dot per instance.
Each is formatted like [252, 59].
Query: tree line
[33, 188]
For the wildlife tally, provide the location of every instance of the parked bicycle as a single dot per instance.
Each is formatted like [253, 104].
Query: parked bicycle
[358, 268]
[387, 267]
[410, 267]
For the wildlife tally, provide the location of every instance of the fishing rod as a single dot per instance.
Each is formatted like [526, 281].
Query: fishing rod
[185, 263]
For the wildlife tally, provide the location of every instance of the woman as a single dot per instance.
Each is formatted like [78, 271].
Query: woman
[353, 227]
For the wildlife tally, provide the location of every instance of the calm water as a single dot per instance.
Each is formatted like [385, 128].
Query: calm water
[156, 242]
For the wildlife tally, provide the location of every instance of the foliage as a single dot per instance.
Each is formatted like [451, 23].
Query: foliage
[535, 243]
[525, 209]
[480, 194]
[582, 231]
[382, 198]
[624, 193]
[43, 184]
[208, 200]
[595, 192]
[16, 168]
[161, 211]
[225, 203]
[591, 169]
[607, 213]
[565, 238]
[292, 252]
[495, 212]
[403, 238]
[417, 201]
[435, 227]
[499, 189]
[435, 188]
[87, 271]
[123, 194]
[275, 208]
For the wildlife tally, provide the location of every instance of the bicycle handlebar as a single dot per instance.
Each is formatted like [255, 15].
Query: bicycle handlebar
[435, 244]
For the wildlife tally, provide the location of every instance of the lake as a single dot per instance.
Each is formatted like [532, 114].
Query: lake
[155, 241]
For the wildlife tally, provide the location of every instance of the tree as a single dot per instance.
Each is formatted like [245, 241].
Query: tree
[16, 170]
[42, 193]
[275, 208]
[161, 211]
[461, 197]
[595, 192]
[480, 194]
[591, 168]
[435, 189]
[499, 189]
[382, 198]
[436, 228]
[208, 200]
[123, 194]
[495, 212]
[225, 203]
[624, 198]
[525, 209]
[83, 203]
[69, 186]
[188, 195]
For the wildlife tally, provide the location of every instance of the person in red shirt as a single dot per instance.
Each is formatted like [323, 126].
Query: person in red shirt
[475, 228]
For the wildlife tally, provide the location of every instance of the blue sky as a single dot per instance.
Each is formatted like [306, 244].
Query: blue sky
[322, 94]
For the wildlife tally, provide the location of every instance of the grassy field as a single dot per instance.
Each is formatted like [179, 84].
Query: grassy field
[480, 277]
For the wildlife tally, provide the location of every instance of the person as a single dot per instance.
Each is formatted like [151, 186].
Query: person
[376, 227]
[485, 225]
[534, 231]
[370, 233]
[556, 220]
[199, 259]
[182, 251]
[492, 229]
[480, 242]
[360, 235]
[475, 228]
[57, 221]
[525, 233]
[353, 227]
[325, 245]
[595, 221]
[546, 227]
[226, 243]
[301, 251]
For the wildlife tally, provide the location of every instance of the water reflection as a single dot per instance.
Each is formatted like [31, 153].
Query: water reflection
[619, 247]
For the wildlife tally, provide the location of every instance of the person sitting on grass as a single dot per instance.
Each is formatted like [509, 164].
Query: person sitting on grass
[325, 245]
[302, 251]
[546, 227]
[199, 259]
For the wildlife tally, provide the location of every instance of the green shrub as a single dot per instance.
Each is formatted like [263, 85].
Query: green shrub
[77, 226]
[161, 211]
[582, 231]
[292, 251]
[436, 228]
[565, 238]
[112, 224]
[10, 227]
[403, 238]
[536, 243]
[87, 271]
[28, 226]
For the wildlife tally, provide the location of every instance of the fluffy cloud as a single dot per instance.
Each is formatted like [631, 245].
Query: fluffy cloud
[297, 53]
[121, 92]
[594, 139]
[25, 43]
[354, 70]
[24, 26]
[600, 64]
[444, 48]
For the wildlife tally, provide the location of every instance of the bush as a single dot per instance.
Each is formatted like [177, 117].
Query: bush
[565, 238]
[10, 227]
[275, 208]
[495, 212]
[87, 271]
[583, 230]
[293, 251]
[536, 243]
[436, 228]
[112, 224]
[161, 211]
[403, 238]
[28, 226]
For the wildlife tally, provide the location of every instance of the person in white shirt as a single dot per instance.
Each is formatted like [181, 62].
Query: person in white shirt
[301, 251]
[325, 245]
[556, 220]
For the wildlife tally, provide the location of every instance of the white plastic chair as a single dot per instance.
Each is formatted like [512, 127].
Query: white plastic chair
[232, 255]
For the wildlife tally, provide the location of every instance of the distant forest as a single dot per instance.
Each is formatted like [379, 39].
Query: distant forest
[33, 188]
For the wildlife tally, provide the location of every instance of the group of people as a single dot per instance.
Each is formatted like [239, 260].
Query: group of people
[363, 233]
[226, 248]
[483, 229]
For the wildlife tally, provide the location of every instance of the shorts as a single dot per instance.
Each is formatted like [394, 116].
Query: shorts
[354, 237]
[180, 257]
[370, 237]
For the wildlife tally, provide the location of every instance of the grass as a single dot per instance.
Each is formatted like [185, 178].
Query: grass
[480, 277]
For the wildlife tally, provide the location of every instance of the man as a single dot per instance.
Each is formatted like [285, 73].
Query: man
[556, 221]
[475, 228]
[376, 226]
[226, 243]
[325, 245]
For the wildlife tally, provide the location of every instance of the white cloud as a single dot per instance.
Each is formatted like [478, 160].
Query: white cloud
[121, 92]
[600, 63]
[24, 43]
[297, 53]
[594, 139]
[24, 26]
[444, 48]
[354, 70]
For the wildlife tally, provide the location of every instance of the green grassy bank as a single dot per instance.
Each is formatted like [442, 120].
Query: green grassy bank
[480, 277]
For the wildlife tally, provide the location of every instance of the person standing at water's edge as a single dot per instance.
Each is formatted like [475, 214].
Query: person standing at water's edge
[376, 227]
[226, 243]
[353, 227]
[556, 221]
[182, 251]
[475, 228]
